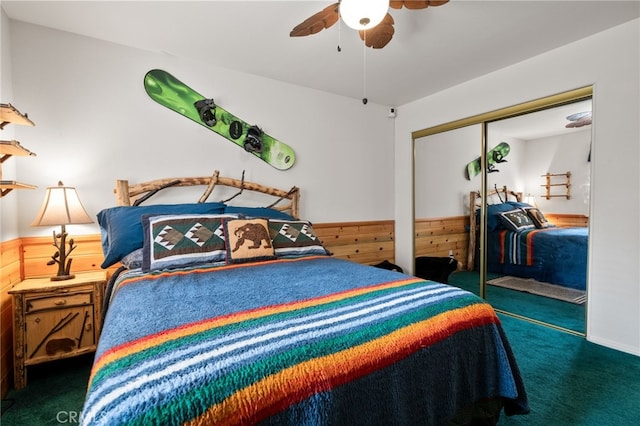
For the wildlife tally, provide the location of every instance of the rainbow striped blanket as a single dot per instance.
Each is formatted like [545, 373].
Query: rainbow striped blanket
[315, 340]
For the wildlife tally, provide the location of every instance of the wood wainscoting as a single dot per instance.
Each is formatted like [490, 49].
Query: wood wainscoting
[10, 275]
[564, 220]
[363, 242]
[436, 237]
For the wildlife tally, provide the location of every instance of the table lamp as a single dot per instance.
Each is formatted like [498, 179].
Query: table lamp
[61, 206]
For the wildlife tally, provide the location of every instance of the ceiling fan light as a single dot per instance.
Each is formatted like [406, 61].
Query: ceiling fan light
[363, 14]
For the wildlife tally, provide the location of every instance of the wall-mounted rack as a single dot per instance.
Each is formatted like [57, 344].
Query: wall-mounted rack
[554, 180]
[9, 114]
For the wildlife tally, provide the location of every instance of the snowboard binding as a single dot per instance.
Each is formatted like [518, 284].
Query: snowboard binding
[253, 141]
[207, 111]
[497, 159]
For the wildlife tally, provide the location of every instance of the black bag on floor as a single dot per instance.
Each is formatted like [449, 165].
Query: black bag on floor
[385, 264]
[435, 268]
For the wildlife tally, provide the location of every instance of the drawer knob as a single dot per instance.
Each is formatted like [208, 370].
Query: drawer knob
[60, 302]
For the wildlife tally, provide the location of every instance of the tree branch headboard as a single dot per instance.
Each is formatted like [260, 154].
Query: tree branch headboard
[133, 194]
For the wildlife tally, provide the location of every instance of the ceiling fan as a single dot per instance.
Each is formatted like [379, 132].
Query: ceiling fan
[374, 34]
[579, 119]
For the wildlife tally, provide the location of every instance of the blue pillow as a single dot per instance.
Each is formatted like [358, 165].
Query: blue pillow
[257, 212]
[121, 227]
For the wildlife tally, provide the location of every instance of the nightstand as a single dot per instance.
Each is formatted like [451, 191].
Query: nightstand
[55, 319]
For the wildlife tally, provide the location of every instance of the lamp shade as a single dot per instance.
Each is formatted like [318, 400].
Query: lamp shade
[363, 14]
[61, 206]
[531, 200]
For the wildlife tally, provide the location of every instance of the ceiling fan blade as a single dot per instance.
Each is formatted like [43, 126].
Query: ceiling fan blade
[415, 4]
[585, 121]
[317, 22]
[378, 36]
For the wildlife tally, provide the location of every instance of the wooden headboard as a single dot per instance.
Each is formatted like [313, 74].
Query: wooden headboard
[133, 194]
[475, 201]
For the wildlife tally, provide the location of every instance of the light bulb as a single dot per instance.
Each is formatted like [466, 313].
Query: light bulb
[363, 14]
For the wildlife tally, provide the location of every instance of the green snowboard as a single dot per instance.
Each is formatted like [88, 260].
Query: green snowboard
[495, 156]
[170, 92]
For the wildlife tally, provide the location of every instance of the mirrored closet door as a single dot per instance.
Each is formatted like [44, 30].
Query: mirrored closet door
[519, 228]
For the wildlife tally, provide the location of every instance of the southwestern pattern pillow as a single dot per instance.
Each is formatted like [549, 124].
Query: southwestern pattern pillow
[295, 238]
[182, 240]
[537, 217]
[248, 240]
[516, 220]
[121, 227]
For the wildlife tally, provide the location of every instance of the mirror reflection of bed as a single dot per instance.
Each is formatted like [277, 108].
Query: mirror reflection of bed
[535, 266]
[538, 273]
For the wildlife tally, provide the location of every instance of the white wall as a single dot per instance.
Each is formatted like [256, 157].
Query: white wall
[8, 204]
[559, 154]
[611, 62]
[442, 158]
[95, 124]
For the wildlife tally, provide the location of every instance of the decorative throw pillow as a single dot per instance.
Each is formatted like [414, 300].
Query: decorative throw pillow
[537, 217]
[121, 227]
[516, 220]
[248, 240]
[182, 240]
[294, 238]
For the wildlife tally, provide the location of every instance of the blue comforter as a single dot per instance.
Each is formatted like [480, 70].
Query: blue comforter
[553, 255]
[315, 340]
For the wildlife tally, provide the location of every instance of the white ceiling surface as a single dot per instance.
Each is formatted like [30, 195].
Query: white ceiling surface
[541, 124]
[432, 49]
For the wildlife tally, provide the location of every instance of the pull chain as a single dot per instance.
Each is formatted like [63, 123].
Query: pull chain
[339, 35]
[364, 69]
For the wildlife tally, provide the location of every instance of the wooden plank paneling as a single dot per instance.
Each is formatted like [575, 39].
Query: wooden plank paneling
[10, 274]
[363, 242]
[564, 220]
[435, 237]
[37, 252]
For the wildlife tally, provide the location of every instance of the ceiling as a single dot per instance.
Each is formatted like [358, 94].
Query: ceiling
[432, 49]
[542, 124]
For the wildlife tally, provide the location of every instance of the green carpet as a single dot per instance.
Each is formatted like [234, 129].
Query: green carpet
[569, 382]
[562, 314]
[54, 394]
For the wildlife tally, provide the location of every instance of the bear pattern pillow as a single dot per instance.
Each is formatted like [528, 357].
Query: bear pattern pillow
[173, 241]
[248, 240]
[295, 238]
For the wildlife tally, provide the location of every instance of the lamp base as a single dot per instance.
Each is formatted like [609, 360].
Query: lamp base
[62, 277]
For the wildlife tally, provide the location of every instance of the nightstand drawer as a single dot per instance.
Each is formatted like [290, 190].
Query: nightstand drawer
[58, 301]
[58, 332]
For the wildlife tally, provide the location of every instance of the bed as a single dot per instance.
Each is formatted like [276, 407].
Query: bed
[248, 334]
[522, 243]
